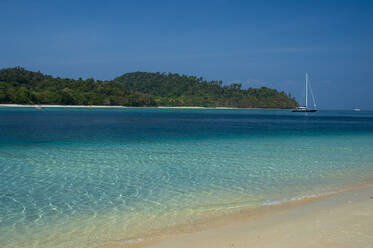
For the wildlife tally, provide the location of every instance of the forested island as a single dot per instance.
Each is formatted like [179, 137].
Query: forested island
[21, 86]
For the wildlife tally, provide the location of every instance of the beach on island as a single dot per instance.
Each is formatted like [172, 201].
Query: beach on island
[186, 124]
[108, 106]
[344, 219]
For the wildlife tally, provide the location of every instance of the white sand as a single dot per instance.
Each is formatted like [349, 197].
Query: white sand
[99, 106]
[343, 220]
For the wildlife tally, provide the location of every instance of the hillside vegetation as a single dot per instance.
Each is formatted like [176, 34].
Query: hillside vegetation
[18, 85]
[21, 86]
[180, 90]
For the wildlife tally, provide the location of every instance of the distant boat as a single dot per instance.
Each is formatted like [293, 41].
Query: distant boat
[357, 109]
[305, 108]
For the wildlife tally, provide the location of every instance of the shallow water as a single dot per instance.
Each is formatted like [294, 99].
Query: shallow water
[85, 177]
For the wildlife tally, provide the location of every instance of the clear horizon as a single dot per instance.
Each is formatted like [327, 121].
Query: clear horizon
[255, 43]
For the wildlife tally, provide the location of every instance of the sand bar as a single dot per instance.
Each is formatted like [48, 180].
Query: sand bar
[106, 106]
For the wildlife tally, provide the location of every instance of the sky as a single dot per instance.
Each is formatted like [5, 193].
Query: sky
[255, 43]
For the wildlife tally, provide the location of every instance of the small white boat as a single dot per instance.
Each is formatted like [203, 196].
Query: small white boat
[357, 109]
[305, 108]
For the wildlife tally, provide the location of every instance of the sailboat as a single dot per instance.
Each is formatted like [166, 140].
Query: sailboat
[305, 108]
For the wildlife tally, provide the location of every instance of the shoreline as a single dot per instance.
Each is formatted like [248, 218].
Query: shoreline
[116, 106]
[243, 228]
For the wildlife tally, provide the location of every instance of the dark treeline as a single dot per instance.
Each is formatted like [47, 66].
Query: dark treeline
[180, 90]
[21, 86]
[18, 85]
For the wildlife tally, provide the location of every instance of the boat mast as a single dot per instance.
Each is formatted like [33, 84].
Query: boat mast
[306, 90]
[313, 98]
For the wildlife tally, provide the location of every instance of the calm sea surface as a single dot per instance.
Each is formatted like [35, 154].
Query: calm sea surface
[84, 177]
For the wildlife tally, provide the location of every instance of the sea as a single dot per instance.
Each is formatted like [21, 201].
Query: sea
[84, 177]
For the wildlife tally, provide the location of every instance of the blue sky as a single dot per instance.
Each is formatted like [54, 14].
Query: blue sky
[256, 43]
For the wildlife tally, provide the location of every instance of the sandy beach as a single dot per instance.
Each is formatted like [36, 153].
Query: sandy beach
[341, 220]
[105, 106]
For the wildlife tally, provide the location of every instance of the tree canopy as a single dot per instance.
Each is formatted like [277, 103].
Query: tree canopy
[18, 85]
[21, 86]
[179, 90]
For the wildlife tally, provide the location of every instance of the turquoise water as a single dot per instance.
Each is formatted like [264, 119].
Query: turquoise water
[84, 177]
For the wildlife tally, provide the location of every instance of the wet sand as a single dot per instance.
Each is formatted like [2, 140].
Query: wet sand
[343, 219]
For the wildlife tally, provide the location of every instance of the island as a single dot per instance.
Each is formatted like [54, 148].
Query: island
[136, 89]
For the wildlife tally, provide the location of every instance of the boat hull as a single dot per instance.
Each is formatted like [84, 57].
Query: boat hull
[304, 110]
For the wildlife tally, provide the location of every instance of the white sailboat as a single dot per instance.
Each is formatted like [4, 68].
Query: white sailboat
[305, 108]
